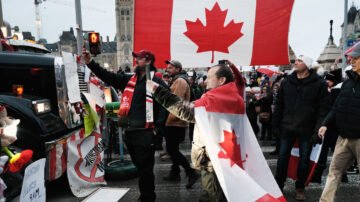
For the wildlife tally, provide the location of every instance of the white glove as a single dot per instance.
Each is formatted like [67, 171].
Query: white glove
[151, 86]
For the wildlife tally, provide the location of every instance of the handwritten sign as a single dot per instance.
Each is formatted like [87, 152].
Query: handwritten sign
[87, 74]
[97, 94]
[71, 77]
[33, 189]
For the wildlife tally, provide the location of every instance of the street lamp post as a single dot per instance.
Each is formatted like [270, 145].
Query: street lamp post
[1, 15]
[1, 22]
[79, 28]
[345, 33]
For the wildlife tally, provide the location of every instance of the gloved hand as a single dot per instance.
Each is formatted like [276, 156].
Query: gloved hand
[151, 86]
[315, 140]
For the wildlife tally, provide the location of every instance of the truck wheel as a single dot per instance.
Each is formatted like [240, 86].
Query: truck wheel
[120, 170]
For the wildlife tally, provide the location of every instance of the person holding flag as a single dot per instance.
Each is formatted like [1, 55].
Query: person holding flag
[217, 76]
[222, 132]
[346, 114]
[333, 78]
[138, 115]
[301, 105]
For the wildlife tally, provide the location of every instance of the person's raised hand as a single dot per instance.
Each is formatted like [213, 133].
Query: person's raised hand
[322, 131]
[86, 55]
[152, 85]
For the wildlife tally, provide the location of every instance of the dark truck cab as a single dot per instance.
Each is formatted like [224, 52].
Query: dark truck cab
[41, 105]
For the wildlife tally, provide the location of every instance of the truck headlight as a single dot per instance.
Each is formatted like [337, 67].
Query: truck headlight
[41, 106]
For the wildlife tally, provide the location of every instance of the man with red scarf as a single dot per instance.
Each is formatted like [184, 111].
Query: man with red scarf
[138, 115]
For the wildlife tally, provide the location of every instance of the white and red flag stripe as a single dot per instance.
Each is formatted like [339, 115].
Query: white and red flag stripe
[239, 164]
[199, 33]
[58, 155]
[57, 161]
[294, 161]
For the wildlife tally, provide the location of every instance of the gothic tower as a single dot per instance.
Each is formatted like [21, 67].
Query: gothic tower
[124, 32]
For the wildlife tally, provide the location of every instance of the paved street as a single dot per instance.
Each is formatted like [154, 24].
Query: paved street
[176, 192]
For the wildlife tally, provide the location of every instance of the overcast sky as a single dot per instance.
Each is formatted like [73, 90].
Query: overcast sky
[309, 26]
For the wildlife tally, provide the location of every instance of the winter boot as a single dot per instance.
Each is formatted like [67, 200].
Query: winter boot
[193, 177]
[300, 194]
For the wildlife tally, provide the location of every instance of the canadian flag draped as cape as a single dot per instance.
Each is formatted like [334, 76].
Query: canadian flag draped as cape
[239, 164]
[199, 33]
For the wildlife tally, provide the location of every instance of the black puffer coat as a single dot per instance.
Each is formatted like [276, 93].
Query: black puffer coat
[250, 107]
[346, 110]
[301, 104]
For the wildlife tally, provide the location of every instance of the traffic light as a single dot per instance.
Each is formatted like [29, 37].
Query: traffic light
[94, 43]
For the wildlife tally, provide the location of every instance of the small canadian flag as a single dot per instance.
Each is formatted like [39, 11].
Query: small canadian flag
[295, 158]
[199, 33]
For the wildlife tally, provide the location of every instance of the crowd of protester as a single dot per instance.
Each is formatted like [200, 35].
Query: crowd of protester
[295, 109]
[299, 106]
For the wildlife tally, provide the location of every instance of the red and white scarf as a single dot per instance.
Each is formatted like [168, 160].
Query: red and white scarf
[127, 98]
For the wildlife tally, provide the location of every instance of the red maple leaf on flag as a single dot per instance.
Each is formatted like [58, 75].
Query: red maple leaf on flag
[232, 149]
[214, 36]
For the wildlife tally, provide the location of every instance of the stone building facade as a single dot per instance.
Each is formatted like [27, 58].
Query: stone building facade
[124, 11]
[353, 27]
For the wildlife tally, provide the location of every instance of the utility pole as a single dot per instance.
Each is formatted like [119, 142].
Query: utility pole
[38, 19]
[1, 22]
[345, 33]
[1, 15]
[79, 29]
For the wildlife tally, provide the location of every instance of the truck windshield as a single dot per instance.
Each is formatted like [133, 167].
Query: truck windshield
[34, 81]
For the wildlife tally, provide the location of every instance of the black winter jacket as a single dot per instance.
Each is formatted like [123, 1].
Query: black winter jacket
[346, 110]
[196, 92]
[136, 118]
[335, 91]
[265, 103]
[250, 107]
[301, 104]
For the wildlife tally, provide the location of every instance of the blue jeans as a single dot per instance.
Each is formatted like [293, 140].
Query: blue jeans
[287, 141]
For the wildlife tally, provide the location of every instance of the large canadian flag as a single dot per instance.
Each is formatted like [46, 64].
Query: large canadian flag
[199, 33]
[239, 164]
